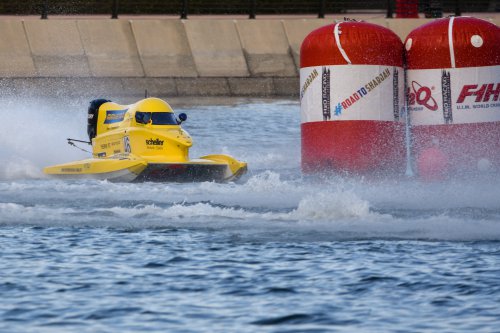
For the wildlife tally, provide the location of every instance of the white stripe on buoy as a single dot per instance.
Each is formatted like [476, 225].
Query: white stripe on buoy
[337, 40]
[450, 41]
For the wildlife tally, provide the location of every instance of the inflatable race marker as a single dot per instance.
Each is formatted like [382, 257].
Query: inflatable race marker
[352, 99]
[453, 92]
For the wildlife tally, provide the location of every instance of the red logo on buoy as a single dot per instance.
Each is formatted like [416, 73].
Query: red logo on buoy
[482, 94]
[422, 95]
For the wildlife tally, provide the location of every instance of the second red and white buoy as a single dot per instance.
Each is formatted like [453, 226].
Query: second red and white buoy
[454, 95]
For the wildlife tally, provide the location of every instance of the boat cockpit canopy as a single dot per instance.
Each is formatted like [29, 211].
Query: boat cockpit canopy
[156, 118]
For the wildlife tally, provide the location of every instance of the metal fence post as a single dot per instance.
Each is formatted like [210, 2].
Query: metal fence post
[184, 10]
[44, 11]
[389, 9]
[114, 10]
[458, 12]
[321, 12]
[252, 9]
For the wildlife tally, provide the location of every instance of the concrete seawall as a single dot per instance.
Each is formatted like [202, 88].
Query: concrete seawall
[168, 57]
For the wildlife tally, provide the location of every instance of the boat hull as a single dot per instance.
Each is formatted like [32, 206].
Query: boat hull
[119, 170]
[187, 172]
[220, 168]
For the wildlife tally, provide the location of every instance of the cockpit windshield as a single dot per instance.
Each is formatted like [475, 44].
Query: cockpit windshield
[156, 118]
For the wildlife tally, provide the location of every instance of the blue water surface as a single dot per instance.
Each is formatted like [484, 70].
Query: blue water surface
[274, 252]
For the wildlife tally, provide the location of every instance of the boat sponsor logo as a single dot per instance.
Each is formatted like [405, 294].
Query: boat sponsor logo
[126, 145]
[120, 156]
[114, 116]
[101, 155]
[314, 74]
[154, 142]
[362, 92]
[421, 95]
[71, 169]
[110, 144]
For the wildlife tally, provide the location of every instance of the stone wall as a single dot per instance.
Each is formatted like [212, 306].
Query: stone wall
[168, 57]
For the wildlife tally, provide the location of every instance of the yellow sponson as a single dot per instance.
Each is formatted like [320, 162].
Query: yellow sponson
[234, 165]
[145, 141]
[112, 169]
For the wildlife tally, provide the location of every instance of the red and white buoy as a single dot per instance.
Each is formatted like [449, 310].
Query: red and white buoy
[453, 86]
[352, 99]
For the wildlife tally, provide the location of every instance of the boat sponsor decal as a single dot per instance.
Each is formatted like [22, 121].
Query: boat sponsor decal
[110, 144]
[154, 142]
[120, 156]
[71, 169]
[126, 145]
[352, 92]
[455, 95]
[114, 116]
[101, 155]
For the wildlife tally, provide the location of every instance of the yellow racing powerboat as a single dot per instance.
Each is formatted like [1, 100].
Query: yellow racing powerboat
[143, 142]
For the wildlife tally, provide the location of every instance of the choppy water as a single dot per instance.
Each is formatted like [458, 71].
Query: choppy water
[274, 252]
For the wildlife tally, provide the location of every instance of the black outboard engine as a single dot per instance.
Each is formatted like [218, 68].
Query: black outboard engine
[93, 113]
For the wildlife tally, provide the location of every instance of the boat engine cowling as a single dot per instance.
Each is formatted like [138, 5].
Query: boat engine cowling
[93, 114]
